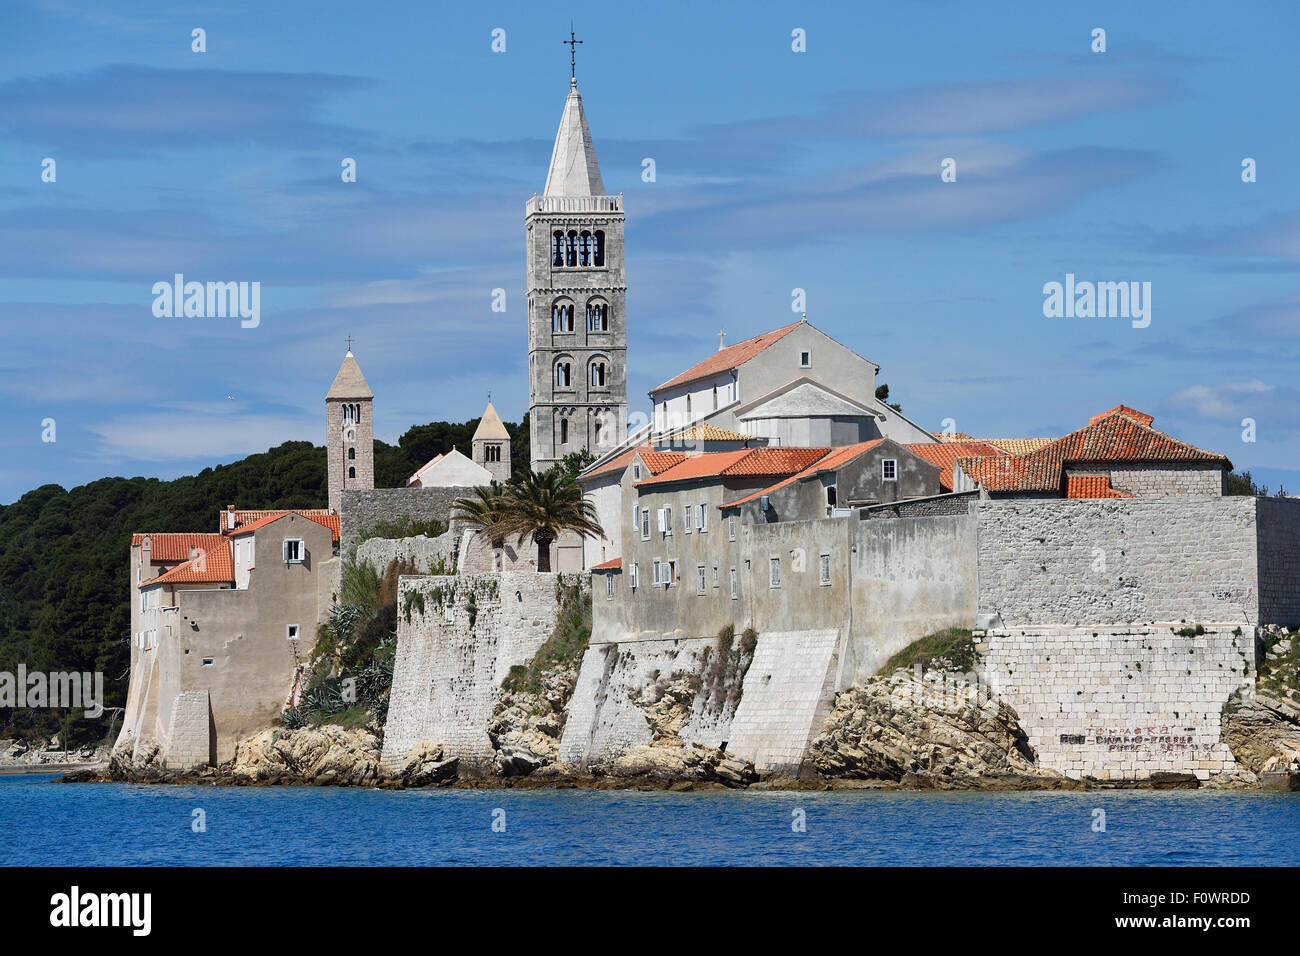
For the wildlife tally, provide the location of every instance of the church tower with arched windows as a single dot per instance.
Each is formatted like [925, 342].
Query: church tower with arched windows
[349, 432]
[577, 295]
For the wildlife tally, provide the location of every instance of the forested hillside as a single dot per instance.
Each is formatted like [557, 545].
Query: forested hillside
[64, 591]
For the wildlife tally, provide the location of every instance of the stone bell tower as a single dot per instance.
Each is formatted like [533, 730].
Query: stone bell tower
[349, 432]
[577, 300]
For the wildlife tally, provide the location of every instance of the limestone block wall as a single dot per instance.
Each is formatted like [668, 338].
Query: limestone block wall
[1170, 479]
[1278, 559]
[955, 503]
[421, 551]
[363, 509]
[789, 691]
[457, 638]
[1119, 561]
[1121, 703]
[192, 738]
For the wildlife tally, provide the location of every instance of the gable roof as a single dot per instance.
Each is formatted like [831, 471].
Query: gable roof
[945, 453]
[1120, 434]
[573, 170]
[490, 427]
[742, 463]
[330, 521]
[800, 398]
[349, 382]
[1019, 446]
[215, 566]
[834, 458]
[614, 565]
[701, 431]
[733, 356]
[228, 519]
[655, 461]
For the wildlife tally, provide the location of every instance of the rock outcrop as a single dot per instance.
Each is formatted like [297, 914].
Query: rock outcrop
[1263, 733]
[425, 767]
[325, 755]
[897, 729]
[526, 727]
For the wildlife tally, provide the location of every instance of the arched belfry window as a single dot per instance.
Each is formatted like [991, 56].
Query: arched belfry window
[584, 248]
[563, 375]
[352, 472]
[597, 379]
[564, 431]
[557, 248]
[597, 316]
[599, 248]
[571, 248]
[562, 317]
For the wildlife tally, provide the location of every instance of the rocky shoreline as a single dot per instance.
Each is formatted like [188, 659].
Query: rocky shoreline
[883, 734]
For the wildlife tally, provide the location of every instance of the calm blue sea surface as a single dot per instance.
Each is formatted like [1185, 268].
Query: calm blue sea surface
[44, 824]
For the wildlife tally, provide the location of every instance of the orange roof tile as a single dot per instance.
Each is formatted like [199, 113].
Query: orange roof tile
[1018, 446]
[730, 357]
[709, 465]
[330, 521]
[1091, 486]
[166, 547]
[832, 460]
[216, 566]
[615, 565]
[953, 436]
[656, 461]
[945, 453]
[229, 520]
[1114, 436]
[1140, 417]
[702, 431]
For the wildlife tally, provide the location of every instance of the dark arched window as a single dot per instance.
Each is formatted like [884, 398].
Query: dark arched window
[563, 375]
[599, 252]
[597, 317]
[562, 317]
[598, 374]
[715, 398]
[564, 431]
[352, 472]
[571, 248]
[358, 413]
[557, 248]
[352, 454]
[584, 249]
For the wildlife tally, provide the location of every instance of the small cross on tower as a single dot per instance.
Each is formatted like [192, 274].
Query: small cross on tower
[722, 339]
[349, 343]
[572, 44]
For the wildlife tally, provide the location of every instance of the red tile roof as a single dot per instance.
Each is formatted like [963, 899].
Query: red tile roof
[702, 431]
[1117, 435]
[656, 461]
[730, 357]
[829, 462]
[953, 436]
[615, 565]
[1091, 486]
[330, 521]
[229, 520]
[1140, 417]
[742, 463]
[945, 453]
[168, 547]
[215, 566]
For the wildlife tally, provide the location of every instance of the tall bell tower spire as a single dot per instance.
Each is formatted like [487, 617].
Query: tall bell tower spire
[577, 297]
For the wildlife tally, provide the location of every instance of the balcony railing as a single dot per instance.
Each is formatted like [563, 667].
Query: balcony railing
[574, 204]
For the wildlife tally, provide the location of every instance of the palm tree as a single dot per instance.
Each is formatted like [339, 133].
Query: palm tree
[482, 510]
[542, 506]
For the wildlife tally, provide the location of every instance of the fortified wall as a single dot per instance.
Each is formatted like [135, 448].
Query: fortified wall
[457, 638]
[363, 509]
[1123, 626]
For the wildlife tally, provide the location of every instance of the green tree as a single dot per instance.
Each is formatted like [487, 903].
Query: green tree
[536, 505]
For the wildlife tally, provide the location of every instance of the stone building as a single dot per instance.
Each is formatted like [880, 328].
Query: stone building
[349, 432]
[490, 446]
[577, 301]
[220, 626]
[1116, 455]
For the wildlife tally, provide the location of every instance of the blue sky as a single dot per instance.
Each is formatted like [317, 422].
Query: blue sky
[775, 170]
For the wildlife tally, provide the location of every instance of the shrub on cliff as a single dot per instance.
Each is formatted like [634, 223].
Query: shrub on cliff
[566, 644]
[952, 649]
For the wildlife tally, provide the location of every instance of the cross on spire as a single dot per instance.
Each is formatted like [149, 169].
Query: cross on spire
[572, 44]
[722, 339]
[349, 343]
